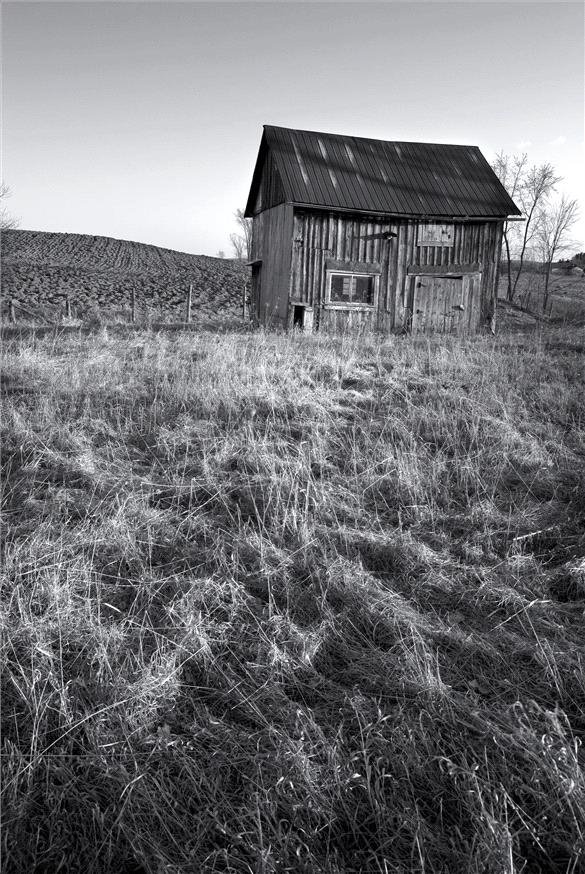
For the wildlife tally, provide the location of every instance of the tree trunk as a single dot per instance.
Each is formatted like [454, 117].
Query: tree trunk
[546, 284]
[523, 252]
[509, 295]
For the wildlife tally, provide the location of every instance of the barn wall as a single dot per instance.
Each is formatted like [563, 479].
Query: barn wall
[318, 236]
[271, 244]
[474, 243]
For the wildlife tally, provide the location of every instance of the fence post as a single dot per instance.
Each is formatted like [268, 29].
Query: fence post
[244, 301]
[68, 307]
[12, 311]
[133, 306]
[189, 300]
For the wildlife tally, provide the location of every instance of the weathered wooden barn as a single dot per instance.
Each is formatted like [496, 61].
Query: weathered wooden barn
[358, 233]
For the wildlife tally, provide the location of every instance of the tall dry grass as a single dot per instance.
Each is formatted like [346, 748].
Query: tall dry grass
[293, 604]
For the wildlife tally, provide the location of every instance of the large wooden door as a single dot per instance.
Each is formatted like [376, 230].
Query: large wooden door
[445, 304]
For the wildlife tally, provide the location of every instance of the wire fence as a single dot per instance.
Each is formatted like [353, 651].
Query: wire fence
[139, 311]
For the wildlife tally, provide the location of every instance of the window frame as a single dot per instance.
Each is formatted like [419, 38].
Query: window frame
[348, 304]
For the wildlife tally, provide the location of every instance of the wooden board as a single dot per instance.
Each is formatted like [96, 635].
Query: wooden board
[438, 270]
[353, 266]
[345, 321]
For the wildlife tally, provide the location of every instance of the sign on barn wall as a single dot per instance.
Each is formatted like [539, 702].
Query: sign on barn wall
[435, 234]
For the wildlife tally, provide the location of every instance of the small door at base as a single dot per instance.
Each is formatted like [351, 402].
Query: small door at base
[302, 317]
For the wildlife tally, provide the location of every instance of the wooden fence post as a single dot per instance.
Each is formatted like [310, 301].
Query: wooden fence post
[12, 311]
[189, 300]
[244, 301]
[68, 307]
[133, 306]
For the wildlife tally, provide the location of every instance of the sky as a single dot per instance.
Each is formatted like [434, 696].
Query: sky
[142, 120]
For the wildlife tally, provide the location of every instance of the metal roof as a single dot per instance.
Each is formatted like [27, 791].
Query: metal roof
[374, 176]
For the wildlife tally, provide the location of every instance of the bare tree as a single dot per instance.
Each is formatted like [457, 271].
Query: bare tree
[553, 224]
[242, 242]
[510, 170]
[7, 220]
[529, 187]
[537, 185]
[238, 246]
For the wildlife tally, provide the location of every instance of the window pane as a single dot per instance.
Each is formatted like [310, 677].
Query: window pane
[363, 289]
[340, 288]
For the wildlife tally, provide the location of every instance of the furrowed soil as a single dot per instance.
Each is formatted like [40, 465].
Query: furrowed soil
[293, 604]
[41, 270]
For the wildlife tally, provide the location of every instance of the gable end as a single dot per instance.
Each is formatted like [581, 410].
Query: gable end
[267, 189]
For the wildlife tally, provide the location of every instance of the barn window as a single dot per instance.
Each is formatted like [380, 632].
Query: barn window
[352, 289]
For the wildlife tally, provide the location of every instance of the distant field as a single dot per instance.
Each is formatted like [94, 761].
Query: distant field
[40, 270]
[566, 304]
[293, 604]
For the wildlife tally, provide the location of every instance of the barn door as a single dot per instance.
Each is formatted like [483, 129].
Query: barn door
[445, 304]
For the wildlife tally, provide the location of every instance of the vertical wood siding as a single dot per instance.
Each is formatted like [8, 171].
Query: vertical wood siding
[271, 243]
[320, 235]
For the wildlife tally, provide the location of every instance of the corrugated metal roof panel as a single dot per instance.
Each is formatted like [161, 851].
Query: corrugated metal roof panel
[344, 172]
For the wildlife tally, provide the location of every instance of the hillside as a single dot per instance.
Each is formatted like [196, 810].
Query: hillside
[40, 269]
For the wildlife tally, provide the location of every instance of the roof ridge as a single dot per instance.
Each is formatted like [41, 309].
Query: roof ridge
[297, 130]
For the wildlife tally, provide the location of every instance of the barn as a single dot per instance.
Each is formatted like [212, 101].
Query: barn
[353, 233]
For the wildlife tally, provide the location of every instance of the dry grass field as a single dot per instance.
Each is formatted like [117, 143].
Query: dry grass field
[293, 604]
